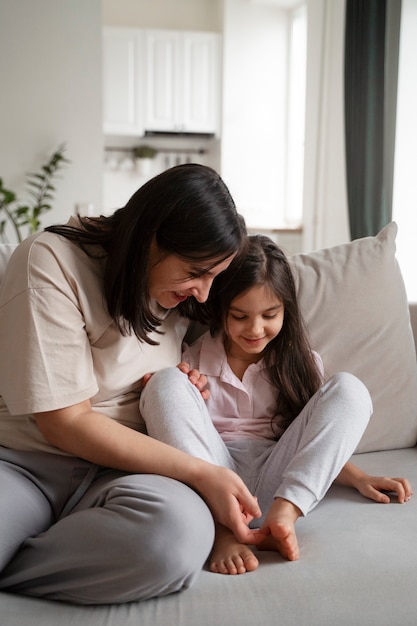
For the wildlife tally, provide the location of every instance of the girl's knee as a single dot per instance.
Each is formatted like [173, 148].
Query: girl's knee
[162, 383]
[166, 388]
[353, 391]
[164, 378]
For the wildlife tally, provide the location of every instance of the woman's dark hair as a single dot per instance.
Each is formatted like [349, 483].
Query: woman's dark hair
[290, 364]
[187, 210]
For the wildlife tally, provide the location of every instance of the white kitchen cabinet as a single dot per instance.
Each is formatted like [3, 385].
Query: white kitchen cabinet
[160, 81]
[122, 77]
[182, 82]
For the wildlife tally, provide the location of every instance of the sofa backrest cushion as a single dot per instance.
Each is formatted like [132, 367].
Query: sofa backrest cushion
[355, 306]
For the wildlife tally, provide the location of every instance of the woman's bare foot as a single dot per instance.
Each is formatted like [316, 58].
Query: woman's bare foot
[280, 524]
[229, 556]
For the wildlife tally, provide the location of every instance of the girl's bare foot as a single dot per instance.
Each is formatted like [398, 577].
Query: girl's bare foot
[280, 524]
[229, 556]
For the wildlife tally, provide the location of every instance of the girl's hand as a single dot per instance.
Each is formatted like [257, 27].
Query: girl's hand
[374, 487]
[196, 378]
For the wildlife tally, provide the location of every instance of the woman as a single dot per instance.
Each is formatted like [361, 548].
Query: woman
[92, 509]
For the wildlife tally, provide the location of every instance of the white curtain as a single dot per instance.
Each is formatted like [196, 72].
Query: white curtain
[405, 166]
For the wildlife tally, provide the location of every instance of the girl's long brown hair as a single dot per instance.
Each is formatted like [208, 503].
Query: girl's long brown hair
[290, 363]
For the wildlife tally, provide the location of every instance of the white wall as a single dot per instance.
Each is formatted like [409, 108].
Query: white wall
[50, 72]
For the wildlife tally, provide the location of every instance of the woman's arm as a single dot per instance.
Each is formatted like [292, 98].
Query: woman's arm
[374, 487]
[85, 433]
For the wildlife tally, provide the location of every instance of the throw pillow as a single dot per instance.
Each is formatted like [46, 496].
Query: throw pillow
[355, 307]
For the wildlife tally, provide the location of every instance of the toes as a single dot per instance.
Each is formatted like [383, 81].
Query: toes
[223, 567]
[237, 564]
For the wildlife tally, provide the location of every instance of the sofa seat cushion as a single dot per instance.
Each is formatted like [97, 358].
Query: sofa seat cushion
[357, 568]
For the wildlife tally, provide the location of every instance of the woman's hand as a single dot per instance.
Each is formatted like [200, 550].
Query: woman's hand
[375, 487]
[229, 500]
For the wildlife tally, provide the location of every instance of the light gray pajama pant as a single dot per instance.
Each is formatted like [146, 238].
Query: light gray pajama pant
[73, 531]
[300, 467]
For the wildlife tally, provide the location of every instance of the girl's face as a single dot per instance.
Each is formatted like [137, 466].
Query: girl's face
[253, 320]
[172, 280]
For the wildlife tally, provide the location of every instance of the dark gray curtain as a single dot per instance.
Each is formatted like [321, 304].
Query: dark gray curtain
[372, 32]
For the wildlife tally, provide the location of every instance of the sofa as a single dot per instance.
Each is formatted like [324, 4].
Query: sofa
[358, 563]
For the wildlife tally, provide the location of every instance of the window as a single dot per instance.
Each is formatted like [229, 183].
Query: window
[297, 60]
[405, 195]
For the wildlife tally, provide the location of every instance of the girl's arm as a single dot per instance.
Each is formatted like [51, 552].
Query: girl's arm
[85, 433]
[374, 487]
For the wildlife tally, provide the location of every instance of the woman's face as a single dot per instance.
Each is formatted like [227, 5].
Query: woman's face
[172, 280]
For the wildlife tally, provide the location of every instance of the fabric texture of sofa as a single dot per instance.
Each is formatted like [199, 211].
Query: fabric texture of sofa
[358, 564]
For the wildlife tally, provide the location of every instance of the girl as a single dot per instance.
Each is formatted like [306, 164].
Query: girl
[287, 434]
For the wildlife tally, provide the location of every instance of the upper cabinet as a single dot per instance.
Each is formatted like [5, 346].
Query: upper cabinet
[161, 81]
[122, 77]
[181, 81]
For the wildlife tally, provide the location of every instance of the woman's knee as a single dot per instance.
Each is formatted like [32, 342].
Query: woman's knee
[30, 514]
[187, 527]
[168, 532]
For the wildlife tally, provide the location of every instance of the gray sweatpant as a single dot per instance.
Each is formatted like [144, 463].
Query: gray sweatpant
[300, 467]
[73, 531]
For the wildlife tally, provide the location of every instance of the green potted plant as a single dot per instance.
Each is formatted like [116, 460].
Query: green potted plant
[143, 155]
[24, 217]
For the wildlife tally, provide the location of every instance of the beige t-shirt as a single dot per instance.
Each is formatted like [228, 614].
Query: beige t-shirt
[59, 346]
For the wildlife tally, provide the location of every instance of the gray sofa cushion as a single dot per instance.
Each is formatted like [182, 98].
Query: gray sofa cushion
[357, 568]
